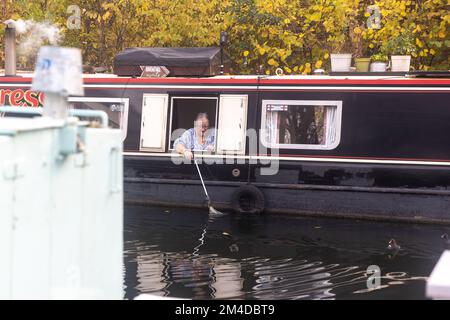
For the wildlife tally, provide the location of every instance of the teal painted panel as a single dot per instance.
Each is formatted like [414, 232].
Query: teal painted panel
[6, 214]
[67, 211]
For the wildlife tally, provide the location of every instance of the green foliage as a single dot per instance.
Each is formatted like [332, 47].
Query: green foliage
[403, 44]
[379, 57]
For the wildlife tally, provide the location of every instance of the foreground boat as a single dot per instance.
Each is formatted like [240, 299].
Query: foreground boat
[341, 146]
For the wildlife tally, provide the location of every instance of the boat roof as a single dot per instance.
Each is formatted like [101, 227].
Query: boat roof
[26, 76]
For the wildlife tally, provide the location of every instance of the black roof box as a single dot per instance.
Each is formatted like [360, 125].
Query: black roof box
[196, 62]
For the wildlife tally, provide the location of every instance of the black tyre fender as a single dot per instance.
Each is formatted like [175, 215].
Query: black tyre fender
[248, 199]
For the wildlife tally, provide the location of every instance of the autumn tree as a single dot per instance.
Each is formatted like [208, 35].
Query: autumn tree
[296, 36]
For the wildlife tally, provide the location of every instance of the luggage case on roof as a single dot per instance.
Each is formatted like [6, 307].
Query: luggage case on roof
[196, 62]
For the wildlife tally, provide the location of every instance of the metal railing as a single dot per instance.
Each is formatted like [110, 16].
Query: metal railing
[72, 112]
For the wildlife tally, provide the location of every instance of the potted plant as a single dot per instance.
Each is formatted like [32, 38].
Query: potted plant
[341, 60]
[401, 47]
[362, 64]
[362, 61]
[379, 62]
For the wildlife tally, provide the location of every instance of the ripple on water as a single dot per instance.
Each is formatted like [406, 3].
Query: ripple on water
[181, 259]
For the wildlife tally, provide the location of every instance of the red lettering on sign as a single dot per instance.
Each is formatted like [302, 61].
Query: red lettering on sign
[16, 97]
[3, 94]
[21, 98]
[31, 98]
[41, 99]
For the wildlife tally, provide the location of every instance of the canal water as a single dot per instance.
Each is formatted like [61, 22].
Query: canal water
[177, 252]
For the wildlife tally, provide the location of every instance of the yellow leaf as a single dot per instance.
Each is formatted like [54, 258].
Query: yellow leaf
[272, 62]
[357, 30]
[246, 53]
[326, 56]
[307, 69]
[318, 64]
[315, 16]
[261, 51]
[432, 52]
[106, 15]
[441, 34]
[419, 43]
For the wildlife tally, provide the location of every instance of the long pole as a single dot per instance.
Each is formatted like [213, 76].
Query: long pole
[203, 183]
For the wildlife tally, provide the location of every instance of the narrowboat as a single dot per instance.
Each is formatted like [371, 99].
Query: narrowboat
[363, 147]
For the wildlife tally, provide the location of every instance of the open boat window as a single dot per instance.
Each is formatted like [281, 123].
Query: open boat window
[115, 108]
[301, 124]
[193, 123]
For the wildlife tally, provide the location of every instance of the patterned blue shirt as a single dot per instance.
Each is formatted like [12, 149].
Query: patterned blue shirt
[190, 141]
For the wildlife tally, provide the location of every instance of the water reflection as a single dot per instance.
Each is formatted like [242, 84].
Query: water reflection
[181, 253]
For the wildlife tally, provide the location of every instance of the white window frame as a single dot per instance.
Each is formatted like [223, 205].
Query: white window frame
[124, 101]
[192, 98]
[164, 127]
[333, 103]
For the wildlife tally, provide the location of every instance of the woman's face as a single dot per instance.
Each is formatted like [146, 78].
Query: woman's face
[202, 125]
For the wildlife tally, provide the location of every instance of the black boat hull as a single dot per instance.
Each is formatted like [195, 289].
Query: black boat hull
[375, 192]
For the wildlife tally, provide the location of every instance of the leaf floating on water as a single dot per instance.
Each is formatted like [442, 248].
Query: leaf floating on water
[166, 211]
[226, 234]
[317, 227]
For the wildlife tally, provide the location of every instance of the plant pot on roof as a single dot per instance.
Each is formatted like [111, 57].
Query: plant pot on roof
[379, 63]
[341, 62]
[359, 48]
[362, 64]
[401, 47]
[341, 59]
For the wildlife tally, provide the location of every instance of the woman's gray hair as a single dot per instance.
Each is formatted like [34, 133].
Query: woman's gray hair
[202, 115]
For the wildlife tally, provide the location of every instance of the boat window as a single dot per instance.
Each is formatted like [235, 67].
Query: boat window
[189, 114]
[301, 124]
[232, 126]
[115, 108]
[153, 122]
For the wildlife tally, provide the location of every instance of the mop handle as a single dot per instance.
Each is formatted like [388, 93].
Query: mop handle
[201, 179]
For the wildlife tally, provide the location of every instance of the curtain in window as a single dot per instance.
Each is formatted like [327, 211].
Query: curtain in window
[331, 125]
[272, 126]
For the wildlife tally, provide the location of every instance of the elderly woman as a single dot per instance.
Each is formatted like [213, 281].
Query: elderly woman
[199, 138]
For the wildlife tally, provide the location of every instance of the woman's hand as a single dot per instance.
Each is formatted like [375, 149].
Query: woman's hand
[188, 154]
